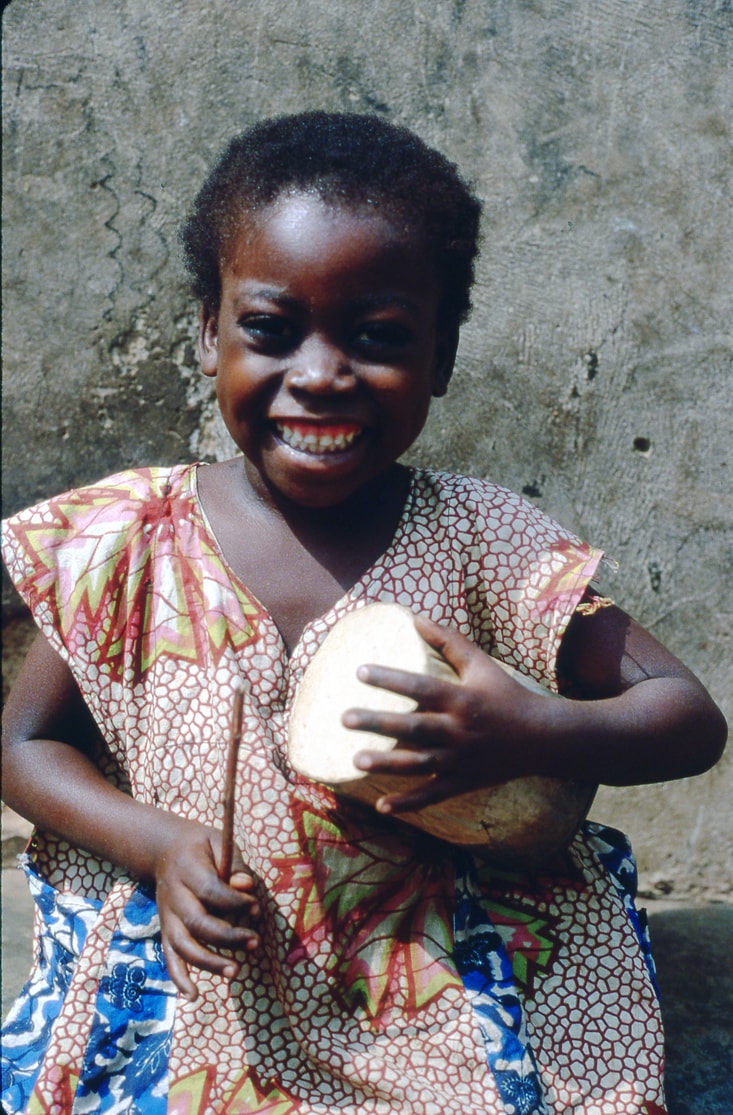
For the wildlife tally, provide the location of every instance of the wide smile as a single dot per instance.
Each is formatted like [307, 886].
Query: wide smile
[319, 439]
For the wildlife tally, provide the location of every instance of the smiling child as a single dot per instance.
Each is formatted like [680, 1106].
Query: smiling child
[350, 964]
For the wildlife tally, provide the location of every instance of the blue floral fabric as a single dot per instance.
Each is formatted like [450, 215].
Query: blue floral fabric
[614, 852]
[486, 970]
[126, 1060]
[28, 1027]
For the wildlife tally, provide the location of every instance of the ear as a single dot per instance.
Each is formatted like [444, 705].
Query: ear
[445, 357]
[208, 341]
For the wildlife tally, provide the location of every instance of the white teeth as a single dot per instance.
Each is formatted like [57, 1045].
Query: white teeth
[314, 442]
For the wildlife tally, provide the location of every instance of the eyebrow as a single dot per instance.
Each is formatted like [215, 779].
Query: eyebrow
[268, 294]
[281, 298]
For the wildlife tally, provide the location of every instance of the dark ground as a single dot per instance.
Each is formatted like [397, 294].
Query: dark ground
[693, 948]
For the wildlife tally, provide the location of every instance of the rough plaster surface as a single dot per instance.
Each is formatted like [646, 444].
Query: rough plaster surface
[596, 372]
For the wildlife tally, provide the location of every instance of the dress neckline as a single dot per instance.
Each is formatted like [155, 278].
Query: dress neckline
[352, 594]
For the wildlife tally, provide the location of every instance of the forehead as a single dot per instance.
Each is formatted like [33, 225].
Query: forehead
[303, 238]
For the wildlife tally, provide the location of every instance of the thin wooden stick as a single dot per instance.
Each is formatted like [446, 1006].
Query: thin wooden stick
[230, 788]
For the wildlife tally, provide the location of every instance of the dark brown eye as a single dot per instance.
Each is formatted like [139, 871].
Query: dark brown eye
[378, 335]
[269, 330]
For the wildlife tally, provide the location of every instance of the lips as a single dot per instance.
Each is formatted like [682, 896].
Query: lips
[319, 439]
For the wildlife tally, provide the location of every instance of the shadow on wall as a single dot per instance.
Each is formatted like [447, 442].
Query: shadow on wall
[692, 950]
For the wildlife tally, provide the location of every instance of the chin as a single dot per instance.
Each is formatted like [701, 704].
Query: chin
[317, 501]
[316, 491]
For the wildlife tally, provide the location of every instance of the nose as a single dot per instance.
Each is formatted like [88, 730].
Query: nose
[320, 367]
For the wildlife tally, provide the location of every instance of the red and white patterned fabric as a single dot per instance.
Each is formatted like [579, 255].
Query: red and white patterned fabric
[353, 1003]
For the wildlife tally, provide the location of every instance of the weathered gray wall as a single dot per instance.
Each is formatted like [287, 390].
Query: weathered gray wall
[596, 372]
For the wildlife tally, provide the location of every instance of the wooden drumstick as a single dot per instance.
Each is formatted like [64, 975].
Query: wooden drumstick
[230, 787]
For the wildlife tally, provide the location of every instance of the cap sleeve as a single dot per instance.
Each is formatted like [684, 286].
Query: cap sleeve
[79, 561]
[123, 573]
[525, 576]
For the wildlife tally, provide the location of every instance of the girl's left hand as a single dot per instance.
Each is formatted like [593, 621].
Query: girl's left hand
[463, 735]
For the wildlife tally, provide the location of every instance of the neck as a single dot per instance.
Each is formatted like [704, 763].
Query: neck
[381, 500]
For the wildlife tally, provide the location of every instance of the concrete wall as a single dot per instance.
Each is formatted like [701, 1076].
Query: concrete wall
[595, 374]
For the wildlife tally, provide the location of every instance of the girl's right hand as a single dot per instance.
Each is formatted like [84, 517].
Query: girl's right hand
[49, 777]
[199, 912]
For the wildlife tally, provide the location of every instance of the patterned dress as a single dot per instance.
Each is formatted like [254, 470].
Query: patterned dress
[398, 975]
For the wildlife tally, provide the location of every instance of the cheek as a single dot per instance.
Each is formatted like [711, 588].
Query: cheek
[420, 396]
[235, 409]
[222, 394]
[410, 416]
[239, 384]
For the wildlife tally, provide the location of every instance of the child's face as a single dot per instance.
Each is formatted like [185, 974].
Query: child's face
[326, 347]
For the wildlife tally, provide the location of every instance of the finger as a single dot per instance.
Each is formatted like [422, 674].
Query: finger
[454, 647]
[191, 909]
[239, 867]
[187, 945]
[430, 792]
[408, 727]
[409, 763]
[189, 953]
[243, 883]
[422, 688]
[237, 863]
[178, 972]
[212, 931]
[213, 893]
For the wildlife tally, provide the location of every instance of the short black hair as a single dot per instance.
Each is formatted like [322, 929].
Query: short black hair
[350, 159]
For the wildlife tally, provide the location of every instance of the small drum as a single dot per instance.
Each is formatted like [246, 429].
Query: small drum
[519, 822]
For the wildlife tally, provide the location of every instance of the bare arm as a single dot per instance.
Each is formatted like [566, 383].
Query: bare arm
[652, 719]
[49, 778]
[641, 717]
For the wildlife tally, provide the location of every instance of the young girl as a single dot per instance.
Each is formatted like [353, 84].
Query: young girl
[350, 964]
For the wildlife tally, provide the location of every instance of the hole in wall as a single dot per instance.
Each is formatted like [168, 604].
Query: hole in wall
[655, 575]
[591, 365]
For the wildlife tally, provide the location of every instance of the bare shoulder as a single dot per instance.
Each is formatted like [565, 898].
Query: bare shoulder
[605, 652]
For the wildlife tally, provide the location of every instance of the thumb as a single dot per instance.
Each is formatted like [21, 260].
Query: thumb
[455, 648]
[241, 876]
[241, 880]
